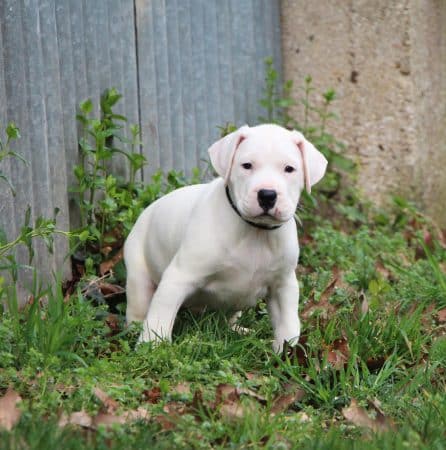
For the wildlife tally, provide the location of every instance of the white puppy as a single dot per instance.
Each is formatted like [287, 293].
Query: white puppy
[227, 243]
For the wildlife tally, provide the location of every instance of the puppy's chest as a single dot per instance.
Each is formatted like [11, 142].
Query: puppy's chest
[244, 275]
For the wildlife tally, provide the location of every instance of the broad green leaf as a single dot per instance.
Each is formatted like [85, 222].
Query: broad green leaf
[118, 117]
[86, 106]
[83, 237]
[12, 131]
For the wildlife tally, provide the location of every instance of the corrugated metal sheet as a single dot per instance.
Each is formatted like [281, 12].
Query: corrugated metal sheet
[183, 66]
[200, 65]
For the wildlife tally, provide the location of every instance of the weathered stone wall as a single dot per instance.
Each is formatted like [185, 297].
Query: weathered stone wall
[387, 62]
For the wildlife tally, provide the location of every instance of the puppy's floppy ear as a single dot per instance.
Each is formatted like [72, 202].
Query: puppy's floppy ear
[223, 151]
[313, 161]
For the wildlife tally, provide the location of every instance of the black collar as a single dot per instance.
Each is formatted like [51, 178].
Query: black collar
[257, 225]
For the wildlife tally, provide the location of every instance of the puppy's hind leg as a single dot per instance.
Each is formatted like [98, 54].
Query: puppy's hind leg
[139, 287]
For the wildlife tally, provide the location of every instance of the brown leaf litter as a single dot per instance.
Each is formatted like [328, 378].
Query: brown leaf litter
[360, 417]
[109, 264]
[106, 417]
[293, 393]
[338, 353]
[9, 413]
[323, 306]
[230, 403]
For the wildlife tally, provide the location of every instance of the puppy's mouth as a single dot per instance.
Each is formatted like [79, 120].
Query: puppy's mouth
[267, 218]
[272, 216]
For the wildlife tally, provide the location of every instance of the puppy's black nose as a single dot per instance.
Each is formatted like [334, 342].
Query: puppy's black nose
[267, 198]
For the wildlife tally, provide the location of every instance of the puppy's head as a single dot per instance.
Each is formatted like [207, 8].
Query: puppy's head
[266, 167]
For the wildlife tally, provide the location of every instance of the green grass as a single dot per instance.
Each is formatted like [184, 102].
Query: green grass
[57, 350]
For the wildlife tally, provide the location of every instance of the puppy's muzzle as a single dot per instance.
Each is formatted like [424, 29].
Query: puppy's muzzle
[267, 199]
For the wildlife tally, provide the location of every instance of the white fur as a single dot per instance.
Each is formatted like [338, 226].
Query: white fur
[191, 248]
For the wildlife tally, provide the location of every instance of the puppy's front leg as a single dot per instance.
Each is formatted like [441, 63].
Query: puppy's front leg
[283, 310]
[170, 294]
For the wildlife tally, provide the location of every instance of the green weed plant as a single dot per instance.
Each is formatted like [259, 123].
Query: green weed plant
[372, 296]
[109, 204]
[42, 228]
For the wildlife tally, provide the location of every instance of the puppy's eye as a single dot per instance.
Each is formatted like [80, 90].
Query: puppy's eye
[289, 169]
[247, 166]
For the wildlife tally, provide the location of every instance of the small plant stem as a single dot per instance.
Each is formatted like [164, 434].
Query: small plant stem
[324, 116]
[102, 230]
[270, 95]
[32, 234]
[307, 99]
[81, 190]
[94, 176]
[91, 200]
[132, 170]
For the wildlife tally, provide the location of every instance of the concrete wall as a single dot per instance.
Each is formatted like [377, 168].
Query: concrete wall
[387, 62]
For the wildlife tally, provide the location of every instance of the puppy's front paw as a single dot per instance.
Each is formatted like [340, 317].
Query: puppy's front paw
[279, 345]
[143, 337]
[149, 334]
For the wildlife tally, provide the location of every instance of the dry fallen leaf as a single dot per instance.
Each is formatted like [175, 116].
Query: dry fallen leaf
[254, 378]
[182, 388]
[428, 314]
[107, 419]
[229, 404]
[198, 402]
[83, 419]
[110, 404]
[338, 353]
[227, 392]
[323, 304]
[108, 265]
[358, 416]
[441, 315]
[236, 410]
[80, 418]
[109, 289]
[137, 414]
[364, 304]
[252, 394]
[172, 412]
[293, 393]
[297, 352]
[384, 423]
[9, 413]
[112, 321]
[153, 395]
[175, 408]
